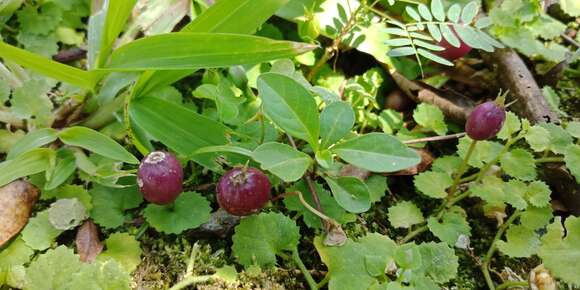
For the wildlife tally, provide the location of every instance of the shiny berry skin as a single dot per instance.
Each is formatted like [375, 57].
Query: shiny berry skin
[160, 177]
[243, 191]
[451, 52]
[485, 121]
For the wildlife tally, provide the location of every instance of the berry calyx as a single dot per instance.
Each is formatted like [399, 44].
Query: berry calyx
[243, 191]
[160, 177]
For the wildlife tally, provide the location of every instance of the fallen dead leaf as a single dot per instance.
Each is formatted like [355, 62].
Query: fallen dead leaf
[16, 201]
[89, 246]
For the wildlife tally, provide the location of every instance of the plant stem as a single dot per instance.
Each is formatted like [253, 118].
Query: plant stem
[324, 281]
[104, 114]
[434, 138]
[492, 248]
[511, 284]
[191, 281]
[311, 283]
[413, 234]
[549, 159]
[462, 168]
[142, 230]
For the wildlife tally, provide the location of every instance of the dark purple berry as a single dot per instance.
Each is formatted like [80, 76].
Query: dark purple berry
[243, 191]
[451, 52]
[485, 121]
[160, 177]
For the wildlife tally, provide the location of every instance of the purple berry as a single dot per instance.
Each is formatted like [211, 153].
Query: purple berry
[243, 191]
[451, 52]
[160, 177]
[485, 121]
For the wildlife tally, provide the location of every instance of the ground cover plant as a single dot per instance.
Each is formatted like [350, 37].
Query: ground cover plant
[289, 144]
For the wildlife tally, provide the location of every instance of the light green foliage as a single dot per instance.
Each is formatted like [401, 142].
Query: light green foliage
[226, 100]
[336, 120]
[511, 126]
[189, 211]
[377, 186]
[124, 249]
[438, 261]
[328, 204]
[573, 129]
[559, 138]
[485, 151]
[447, 164]
[572, 159]
[433, 183]
[96, 142]
[571, 7]
[560, 250]
[451, 227]
[39, 234]
[8, 139]
[31, 102]
[61, 269]
[258, 238]
[490, 189]
[515, 193]
[405, 214]
[553, 99]
[16, 253]
[110, 204]
[536, 217]
[70, 191]
[538, 194]
[350, 193]
[519, 163]
[430, 117]
[538, 138]
[282, 160]
[66, 213]
[521, 242]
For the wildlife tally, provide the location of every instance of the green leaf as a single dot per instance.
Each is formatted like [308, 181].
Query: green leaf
[560, 139]
[516, 193]
[433, 183]
[439, 262]
[490, 189]
[118, 12]
[424, 11]
[32, 140]
[39, 234]
[405, 214]
[573, 129]
[328, 204]
[181, 129]
[350, 193]
[189, 211]
[450, 229]
[430, 117]
[29, 163]
[67, 213]
[454, 12]
[447, 164]
[52, 270]
[96, 142]
[469, 12]
[110, 204]
[290, 106]
[282, 160]
[64, 168]
[336, 120]
[377, 152]
[519, 163]
[572, 159]
[511, 126]
[449, 35]
[31, 102]
[124, 249]
[16, 253]
[570, 7]
[182, 50]
[560, 249]
[536, 217]
[428, 55]
[377, 186]
[438, 10]
[538, 138]
[48, 67]
[258, 238]
[521, 242]
[485, 151]
[70, 191]
[413, 13]
[538, 194]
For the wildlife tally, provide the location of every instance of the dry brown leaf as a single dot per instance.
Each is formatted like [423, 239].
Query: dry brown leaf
[88, 243]
[16, 201]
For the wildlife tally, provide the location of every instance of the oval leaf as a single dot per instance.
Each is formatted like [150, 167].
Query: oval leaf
[31, 162]
[32, 140]
[96, 142]
[282, 160]
[350, 193]
[336, 120]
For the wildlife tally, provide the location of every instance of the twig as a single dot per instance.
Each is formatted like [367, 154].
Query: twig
[434, 138]
[570, 40]
[512, 284]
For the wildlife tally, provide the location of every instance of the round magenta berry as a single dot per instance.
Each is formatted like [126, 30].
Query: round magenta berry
[451, 52]
[485, 121]
[243, 191]
[160, 177]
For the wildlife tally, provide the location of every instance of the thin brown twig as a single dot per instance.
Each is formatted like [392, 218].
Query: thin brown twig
[435, 138]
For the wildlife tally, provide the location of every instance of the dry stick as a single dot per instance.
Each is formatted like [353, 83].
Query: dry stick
[435, 138]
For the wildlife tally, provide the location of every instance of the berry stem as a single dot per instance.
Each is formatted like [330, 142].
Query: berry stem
[512, 284]
[296, 258]
[191, 280]
[462, 168]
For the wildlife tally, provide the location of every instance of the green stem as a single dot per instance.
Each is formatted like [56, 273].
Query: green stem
[105, 114]
[462, 168]
[311, 283]
[192, 280]
[549, 159]
[487, 259]
[511, 284]
[505, 149]
[142, 230]
[324, 281]
[413, 234]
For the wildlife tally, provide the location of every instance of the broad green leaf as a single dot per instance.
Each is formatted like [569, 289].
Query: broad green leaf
[519, 163]
[16, 253]
[485, 151]
[560, 249]
[188, 51]
[572, 159]
[282, 160]
[538, 194]
[439, 262]
[31, 162]
[377, 152]
[377, 186]
[490, 190]
[538, 138]
[447, 164]
[39, 234]
[49, 68]
[336, 120]
[350, 193]
[124, 249]
[405, 214]
[32, 140]
[110, 204]
[290, 106]
[430, 117]
[570, 7]
[433, 184]
[536, 217]
[96, 142]
[190, 210]
[559, 138]
[452, 227]
[70, 191]
[118, 12]
[521, 242]
[31, 102]
[258, 238]
[516, 193]
[573, 129]
[511, 126]
[66, 213]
